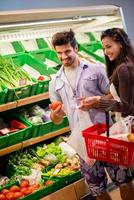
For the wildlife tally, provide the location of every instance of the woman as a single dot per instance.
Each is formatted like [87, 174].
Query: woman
[119, 56]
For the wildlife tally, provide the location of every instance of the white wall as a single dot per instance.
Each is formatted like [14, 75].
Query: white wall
[127, 7]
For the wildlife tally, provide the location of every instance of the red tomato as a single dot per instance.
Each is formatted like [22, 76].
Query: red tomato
[17, 195]
[49, 182]
[41, 78]
[10, 196]
[35, 186]
[14, 188]
[2, 197]
[23, 190]
[55, 104]
[24, 183]
[4, 191]
[28, 191]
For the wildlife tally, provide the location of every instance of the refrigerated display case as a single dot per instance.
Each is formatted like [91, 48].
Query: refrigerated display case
[25, 36]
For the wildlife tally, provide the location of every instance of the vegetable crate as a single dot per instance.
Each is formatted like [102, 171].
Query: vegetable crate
[11, 48]
[91, 49]
[64, 123]
[41, 129]
[39, 66]
[32, 45]
[87, 37]
[15, 137]
[3, 94]
[39, 193]
[26, 85]
[48, 57]
[107, 149]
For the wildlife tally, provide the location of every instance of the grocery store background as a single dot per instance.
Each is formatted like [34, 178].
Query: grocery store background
[127, 7]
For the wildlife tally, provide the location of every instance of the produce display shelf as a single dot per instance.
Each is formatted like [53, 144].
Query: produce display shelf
[33, 141]
[25, 101]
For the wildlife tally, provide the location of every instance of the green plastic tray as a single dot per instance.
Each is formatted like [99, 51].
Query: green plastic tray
[3, 95]
[61, 181]
[39, 193]
[41, 129]
[38, 65]
[91, 37]
[15, 137]
[40, 44]
[91, 48]
[64, 123]
[18, 47]
[74, 177]
[47, 55]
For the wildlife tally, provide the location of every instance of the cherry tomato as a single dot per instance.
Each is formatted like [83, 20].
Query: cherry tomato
[17, 195]
[41, 78]
[24, 183]
[2, 197]
[49, 182]
[28, 191]
[10, 196]
[23, 190]
[35, 186]
[4, 191]
[14, 188]
[55, 104]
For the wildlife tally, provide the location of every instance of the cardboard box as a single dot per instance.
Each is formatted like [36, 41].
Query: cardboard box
[67, 193]
[81, 188]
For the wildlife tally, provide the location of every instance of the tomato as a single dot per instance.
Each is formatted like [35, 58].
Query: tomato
[10, 196]
[41, 78]
[35, 186]
[55, 104]
[28, 191]
[24, 183]
[23, 190]
[17, 195]
[2, 197]
[4, 191]
[49, 182]
[14, 188]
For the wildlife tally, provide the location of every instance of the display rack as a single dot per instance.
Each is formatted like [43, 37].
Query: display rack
[41, 23]
[33, 141]
[25, 101]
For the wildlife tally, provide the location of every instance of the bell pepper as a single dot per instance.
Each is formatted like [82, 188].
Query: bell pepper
[17, 124]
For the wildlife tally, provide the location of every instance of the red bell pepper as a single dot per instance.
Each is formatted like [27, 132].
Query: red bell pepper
[17, 124]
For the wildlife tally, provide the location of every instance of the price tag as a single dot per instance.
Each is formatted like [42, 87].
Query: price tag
[5, 131]
[22, 82]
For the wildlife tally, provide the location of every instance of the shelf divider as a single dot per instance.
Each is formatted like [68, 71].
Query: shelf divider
[33, 141]
[25, 101]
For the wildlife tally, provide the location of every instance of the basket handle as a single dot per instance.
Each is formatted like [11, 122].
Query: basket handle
[107, 123]
[107, 117]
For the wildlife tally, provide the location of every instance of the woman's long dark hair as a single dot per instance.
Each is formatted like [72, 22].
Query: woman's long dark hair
[127, 51]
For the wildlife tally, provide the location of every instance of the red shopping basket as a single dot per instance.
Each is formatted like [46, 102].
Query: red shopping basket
[107, 149]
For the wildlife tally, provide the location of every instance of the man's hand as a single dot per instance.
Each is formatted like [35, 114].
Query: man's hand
[88, 102]
[57, 114]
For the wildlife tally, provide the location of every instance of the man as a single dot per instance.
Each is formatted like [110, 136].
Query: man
[74, 80]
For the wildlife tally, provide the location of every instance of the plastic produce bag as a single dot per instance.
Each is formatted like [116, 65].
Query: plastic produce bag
[67, 149]
[76, 140]
[123, 126]
[35, 177]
